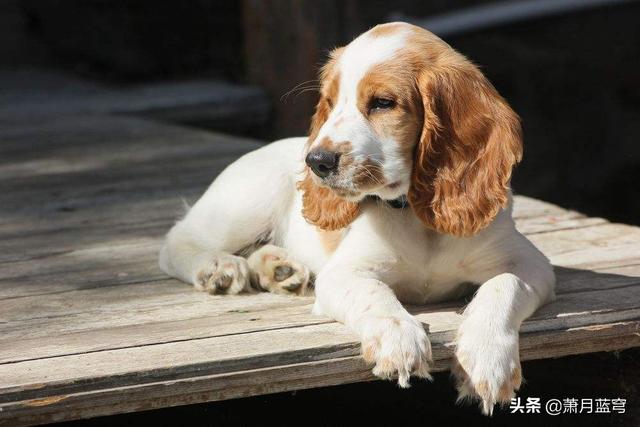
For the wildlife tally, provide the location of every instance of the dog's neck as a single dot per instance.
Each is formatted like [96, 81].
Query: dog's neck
[399, 203]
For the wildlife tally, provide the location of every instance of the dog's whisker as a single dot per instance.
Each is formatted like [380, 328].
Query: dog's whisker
[309, 84]
[371, 175]
[305, 90]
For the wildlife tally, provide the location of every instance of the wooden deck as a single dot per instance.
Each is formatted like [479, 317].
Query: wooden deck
[90, 326]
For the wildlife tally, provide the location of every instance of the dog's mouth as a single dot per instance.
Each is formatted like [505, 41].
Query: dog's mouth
[353, 194]
[342, 187]
[347, 194]
[353, 181]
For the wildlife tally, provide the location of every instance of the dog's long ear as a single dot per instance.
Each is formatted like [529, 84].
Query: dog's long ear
[320, 206]
[470, 142]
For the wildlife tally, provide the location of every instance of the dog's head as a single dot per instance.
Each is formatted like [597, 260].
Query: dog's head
[402, 113]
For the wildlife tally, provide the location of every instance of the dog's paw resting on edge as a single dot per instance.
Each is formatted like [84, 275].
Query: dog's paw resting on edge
[397, 347]
[486, 365]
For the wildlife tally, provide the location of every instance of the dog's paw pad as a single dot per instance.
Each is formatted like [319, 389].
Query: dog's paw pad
[273, 271]
[282, 272]
[225, 274]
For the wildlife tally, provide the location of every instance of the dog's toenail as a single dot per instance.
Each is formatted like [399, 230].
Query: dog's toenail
[203, 278]
[223, 282]
[292, 287]
[282, 272]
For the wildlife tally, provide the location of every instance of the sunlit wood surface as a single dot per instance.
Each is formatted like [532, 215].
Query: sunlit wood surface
[90, 326]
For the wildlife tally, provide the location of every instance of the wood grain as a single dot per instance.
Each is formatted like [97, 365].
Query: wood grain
[90, 326]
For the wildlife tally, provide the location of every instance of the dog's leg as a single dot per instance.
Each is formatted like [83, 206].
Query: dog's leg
[273, 270]
[351, 288]
[237, 211]
[207, 263]
[487, 361]
[392, 340]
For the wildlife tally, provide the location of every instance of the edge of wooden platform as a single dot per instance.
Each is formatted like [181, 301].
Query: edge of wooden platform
[336, 371]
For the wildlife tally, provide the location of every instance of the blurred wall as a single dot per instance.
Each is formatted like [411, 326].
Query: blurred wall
[140, 40]
[18, 46]
[572, 78]
[287, 40]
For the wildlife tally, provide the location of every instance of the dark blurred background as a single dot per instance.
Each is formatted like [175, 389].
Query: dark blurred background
[571, 72]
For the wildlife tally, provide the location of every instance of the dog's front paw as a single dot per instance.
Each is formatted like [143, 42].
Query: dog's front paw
[398, 346]
[486, 365]
[274, 271]
[224, 274]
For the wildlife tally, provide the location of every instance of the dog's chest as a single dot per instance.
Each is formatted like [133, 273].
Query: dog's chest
[432, 268]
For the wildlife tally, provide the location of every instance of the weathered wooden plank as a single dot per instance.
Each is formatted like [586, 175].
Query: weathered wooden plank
[63, 194]
[109, 186]
[99, 200]
[64, 161]
[65, 404]
[168, 300]
[548, 222]
[215, 103]
[112, 262]
[109, 321]
[255, 349]
[571, 280]
[605, 245]
[145, 213]
[88, 214]
[54, 156]
[63, 140]
[154, 331]
[74, 225]
[91, 216]
[90, 325]
[57, 220]
[79, 217]
[64, 311]
[66, 267]
[271, 380]
[529, 207]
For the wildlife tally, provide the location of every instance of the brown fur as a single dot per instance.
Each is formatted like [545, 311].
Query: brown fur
[368, 174]
[468, 138]
[394, 81]
[330, 240]
[320, 206]
[384, 30]
[323, 208]
[470, 142]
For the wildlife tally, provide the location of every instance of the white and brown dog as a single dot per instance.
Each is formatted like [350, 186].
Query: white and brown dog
[403, 120]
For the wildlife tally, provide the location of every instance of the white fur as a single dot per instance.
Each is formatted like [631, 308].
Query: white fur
[387, 256]
[347, 123]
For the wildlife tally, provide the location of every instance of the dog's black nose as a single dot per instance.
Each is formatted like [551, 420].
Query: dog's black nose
[322, 162]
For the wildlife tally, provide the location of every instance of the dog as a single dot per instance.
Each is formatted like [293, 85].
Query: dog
[400, 194]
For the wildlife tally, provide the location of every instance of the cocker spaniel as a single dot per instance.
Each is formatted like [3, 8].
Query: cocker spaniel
[404, 197]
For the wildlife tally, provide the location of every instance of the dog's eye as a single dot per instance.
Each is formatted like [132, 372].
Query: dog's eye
[329, 102]
[381, 104]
